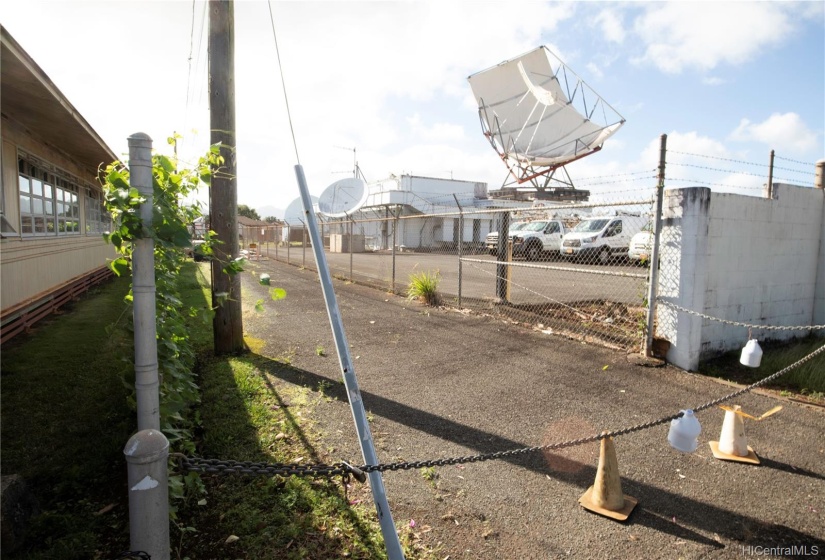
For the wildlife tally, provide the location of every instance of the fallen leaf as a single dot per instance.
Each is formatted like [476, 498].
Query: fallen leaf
[106, 509]
[412, 522]
[682, 476]
[231, 538]
[605, 368]
[633, 537]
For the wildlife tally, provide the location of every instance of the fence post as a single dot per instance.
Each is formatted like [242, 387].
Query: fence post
[350, 250]
[770, 175]
[652, 289]
[304, 248]
[502, 284]
[147, 453]
[394, 230]
[147, 391]
[460, 244]
[819, 177]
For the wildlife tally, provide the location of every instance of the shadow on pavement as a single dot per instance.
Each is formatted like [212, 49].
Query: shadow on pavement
[658, 503]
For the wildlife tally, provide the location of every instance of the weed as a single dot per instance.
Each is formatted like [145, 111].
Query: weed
[423, 286]
[429, 474]
[319, 351]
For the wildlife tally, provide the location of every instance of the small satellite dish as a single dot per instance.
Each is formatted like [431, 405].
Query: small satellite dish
[343, 197]
[294, 213]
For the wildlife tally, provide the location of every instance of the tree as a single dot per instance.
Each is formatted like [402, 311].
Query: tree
[272, 219]
[244, 210]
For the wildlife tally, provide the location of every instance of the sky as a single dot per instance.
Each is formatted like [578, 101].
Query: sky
[386, 83]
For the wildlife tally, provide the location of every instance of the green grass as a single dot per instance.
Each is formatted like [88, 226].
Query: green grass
[807, 379]
[423, 286]
[65, 420]
[249, 414]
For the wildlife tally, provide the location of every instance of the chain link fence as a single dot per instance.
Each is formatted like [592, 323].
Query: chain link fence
[563, 268]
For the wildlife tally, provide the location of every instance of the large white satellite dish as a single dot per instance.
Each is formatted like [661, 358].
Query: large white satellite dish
[539, 115]
[343, 197]
[294, 213]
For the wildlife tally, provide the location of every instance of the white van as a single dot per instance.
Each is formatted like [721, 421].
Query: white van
[601, 239]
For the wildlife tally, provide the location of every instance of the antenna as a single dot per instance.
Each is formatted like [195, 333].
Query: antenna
[356, 169]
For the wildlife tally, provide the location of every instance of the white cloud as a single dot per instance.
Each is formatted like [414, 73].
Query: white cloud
[595, 70]
[779, 131]
[705, 35]
[713, 81]
[611, 25]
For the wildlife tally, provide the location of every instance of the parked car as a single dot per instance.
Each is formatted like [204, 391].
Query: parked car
[538, 238]
[601, 239]
[196, 250]
[491, 241]
[641, 245]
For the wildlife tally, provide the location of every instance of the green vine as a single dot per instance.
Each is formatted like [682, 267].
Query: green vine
[170, 230]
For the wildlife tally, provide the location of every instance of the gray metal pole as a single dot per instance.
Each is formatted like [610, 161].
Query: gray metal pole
[770, 175]
[394, 241]
[652, 289]
[359, 415]
[350, 251]
[146, 455]
[501, 256]
[147, 385]
[460, 244]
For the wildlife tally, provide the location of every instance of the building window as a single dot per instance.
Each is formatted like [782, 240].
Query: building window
[97, 219]
[48, 204]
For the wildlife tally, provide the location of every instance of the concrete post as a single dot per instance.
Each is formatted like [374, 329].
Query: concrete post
[143, 290]
[819, 178]
[683, 275]
[147, 453]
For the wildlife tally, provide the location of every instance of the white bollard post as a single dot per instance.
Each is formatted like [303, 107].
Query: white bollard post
[146, 454]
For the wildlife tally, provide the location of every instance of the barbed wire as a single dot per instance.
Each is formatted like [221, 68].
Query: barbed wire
[717, 169]
[738, 323]
[794, 160]
[715, 157]
[794, 170]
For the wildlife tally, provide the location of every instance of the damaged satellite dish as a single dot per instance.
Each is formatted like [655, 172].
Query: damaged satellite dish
[294, 213]
[343, 197]
[538, 115]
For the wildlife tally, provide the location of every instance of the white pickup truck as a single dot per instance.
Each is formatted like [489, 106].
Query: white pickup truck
[538, 238]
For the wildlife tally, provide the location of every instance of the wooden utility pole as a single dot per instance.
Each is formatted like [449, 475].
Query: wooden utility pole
[223, 192]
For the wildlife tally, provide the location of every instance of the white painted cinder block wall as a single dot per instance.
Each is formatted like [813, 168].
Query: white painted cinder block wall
[740, 258]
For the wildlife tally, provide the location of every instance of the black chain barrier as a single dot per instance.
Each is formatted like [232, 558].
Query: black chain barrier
[344, 469]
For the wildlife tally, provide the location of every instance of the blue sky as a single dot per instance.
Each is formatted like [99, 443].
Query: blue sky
[726, 80]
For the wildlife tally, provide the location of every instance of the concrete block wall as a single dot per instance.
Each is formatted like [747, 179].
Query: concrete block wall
[740, 258]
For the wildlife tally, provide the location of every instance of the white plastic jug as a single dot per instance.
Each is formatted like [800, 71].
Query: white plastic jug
[751, 354]
[684, 432]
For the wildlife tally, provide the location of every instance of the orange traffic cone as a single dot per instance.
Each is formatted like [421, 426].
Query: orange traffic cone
[732, 444]
[605, 497]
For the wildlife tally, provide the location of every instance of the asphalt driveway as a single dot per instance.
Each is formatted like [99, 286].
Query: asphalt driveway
[441, 383]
